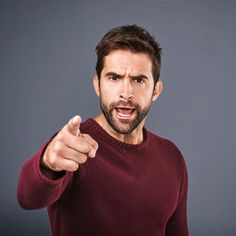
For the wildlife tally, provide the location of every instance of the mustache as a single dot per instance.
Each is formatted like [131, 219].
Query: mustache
[124, 104]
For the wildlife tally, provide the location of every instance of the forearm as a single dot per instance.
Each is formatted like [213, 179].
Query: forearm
[35, 188]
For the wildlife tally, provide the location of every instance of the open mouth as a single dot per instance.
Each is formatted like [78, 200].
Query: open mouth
[125, 112]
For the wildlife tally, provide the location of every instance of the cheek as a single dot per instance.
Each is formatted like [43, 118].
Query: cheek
[106, 97]
[144, 97]
[109, 93]
[145, 102]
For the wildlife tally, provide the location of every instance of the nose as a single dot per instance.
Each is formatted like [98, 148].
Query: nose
[126, 90]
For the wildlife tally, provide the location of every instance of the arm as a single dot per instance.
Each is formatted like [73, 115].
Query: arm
[35, 189]
[44, 178]
[177, 224]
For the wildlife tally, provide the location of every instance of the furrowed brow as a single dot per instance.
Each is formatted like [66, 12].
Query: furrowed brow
[113, 74]
[141, 76]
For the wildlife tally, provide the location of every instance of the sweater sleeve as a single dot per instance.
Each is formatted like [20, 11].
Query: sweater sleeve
[177, 224]
[35, 190]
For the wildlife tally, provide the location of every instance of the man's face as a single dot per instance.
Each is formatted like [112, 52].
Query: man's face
[126, 89]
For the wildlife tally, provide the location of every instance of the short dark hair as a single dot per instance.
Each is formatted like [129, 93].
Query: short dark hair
[133, 38]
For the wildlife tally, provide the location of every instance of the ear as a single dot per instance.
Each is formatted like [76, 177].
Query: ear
[96, 85]
[157, 90]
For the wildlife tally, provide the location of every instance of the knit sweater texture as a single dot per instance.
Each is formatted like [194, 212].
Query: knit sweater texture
[133, 190]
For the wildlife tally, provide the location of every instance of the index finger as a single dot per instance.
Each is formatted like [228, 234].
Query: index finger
[73, 126]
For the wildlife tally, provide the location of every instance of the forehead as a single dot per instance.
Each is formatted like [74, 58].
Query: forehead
[121, 61]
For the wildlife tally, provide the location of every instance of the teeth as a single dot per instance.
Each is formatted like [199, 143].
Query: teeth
[125, 112]
[124, 115]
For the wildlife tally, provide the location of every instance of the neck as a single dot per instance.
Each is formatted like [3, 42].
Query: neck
[135, 137]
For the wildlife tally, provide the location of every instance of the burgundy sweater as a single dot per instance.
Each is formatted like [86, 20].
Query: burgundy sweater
[126, 189]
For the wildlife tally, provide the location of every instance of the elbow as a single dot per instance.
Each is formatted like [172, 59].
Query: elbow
[27, 205]
[23, 203]
[27, 201]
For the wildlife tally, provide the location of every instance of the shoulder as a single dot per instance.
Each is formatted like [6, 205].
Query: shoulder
[164, 142]
[167, 147]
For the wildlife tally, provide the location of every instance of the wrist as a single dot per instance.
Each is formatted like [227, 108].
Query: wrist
[47, 171]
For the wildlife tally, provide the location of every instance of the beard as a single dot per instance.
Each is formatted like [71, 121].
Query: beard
[124, 126]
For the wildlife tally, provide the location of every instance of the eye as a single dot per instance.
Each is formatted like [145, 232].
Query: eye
[139, 80]
[113, 77]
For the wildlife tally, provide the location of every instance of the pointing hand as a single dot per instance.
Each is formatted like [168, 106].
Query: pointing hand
[69, 148]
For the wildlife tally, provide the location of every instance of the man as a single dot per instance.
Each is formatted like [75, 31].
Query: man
[110, 175]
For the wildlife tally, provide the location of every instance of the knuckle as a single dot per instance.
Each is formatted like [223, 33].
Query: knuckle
[72, 166]
[87, 147]
[58, 147]
[91, 140]
[53, 161]
[95, 145]
[60, 136]
[86, 136]
[83, 159]
[84, 145]
[87, 143]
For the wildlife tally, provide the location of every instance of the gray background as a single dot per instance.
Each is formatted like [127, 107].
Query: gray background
[47, 60]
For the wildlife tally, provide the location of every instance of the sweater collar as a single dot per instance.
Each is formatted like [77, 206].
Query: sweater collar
[96, 128]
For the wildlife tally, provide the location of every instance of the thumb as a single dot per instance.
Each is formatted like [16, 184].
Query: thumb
[73, 126]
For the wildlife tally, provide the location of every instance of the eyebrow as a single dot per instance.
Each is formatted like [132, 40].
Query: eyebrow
[113, 74]
[122, 76]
